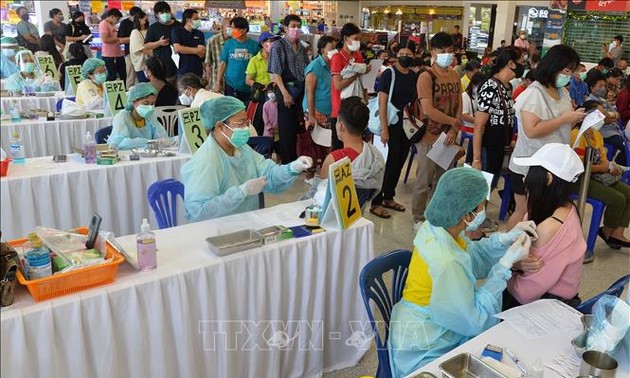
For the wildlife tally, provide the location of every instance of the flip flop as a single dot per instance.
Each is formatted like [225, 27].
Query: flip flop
[393, 205]
[380, 212]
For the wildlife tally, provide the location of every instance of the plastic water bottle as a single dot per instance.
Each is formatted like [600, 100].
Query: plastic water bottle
[14, 111]
[38, 257]
[147, 259]
[17, 149]
[89, 149]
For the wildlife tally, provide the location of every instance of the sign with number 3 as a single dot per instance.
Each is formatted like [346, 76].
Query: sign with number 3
[194, 132]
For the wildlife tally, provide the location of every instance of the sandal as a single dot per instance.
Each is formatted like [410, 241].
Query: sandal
[391, 204]
[380, 212]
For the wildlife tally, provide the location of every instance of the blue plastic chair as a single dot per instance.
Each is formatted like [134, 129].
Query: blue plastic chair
[162, 196]
[596, 220]
[373, 288]
[60, 102]
[264, 146]
[101, 135]
[615, 289]
[506, 196]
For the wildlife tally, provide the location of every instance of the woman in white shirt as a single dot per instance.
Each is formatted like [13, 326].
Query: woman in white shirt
[545, 115]
[192, 90]
[469, 108]
[136, 44]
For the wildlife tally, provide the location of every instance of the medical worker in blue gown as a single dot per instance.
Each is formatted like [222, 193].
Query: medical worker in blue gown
[442, 306]
[225, 175]
[137, 124]
[9, 47]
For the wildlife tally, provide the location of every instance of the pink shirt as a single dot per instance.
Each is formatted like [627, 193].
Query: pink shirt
[270, 117]
[109, 50]
[562, 271]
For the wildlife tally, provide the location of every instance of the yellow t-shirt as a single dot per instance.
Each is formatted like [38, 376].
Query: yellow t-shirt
[257, 69]
[465, 81]
[419, 285]
[595, 139]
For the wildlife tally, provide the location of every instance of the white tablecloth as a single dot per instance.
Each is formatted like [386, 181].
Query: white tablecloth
[32, 102]
[47, 138]
[166, 323]
[64, 195]
[506, 336]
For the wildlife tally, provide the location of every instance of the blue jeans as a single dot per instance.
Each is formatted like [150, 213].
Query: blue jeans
[617, 142]
[243, 96]
[116, 67]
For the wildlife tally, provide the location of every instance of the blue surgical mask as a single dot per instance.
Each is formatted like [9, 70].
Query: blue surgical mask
[583, 75]
[444, 60]
[476, 223]
[196, 24]
[239, 137]
[562, 80]
[145, 110]
[164, 17]
[100, 78]
[28, 67]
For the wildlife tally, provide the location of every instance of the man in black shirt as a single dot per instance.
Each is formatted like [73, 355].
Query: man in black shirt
[189, 43]
[161, 30]
[77, 31]
[124, 31]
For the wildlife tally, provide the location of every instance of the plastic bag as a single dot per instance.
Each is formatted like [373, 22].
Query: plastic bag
[61, 241]
[611, 319]
[71, 108]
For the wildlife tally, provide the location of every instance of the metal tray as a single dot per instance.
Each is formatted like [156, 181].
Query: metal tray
[223, 245]
[273, 234]
[466, 365]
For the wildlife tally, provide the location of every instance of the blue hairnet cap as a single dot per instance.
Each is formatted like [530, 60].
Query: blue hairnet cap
[8, 41]
[89, 66]
[459, 191]
[219, 109]
[140, 90]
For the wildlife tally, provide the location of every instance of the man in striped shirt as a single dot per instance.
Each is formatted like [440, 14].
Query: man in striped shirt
[213, 53]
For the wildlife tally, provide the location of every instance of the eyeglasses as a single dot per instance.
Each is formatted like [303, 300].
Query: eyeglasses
[240, 124]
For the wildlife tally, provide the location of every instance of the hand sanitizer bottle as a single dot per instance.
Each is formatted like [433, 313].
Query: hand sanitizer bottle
[145, 241]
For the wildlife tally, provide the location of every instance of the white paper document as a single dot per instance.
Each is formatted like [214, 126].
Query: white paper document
[322, 136]
[488, 176]
[594, 120]
[368, 79]
[87, 38]
[443, 155]
[542, 318]
[379, 146]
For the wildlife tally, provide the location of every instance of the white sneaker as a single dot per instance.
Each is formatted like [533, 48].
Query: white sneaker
[416, 225]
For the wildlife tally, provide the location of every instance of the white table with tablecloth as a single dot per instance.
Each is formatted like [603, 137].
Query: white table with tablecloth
[25, 103]
[526, 348]
[288, 309]
[44, 138]
[64, 195]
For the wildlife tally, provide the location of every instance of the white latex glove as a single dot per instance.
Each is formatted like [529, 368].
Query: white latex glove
[517, 251]
[254, 186]
[301, 164]
[528, 227]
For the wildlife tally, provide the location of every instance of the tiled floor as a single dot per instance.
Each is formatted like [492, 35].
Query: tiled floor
[397, 232]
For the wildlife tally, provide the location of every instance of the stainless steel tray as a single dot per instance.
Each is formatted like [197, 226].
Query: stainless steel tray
[466, 365]
[223, 245]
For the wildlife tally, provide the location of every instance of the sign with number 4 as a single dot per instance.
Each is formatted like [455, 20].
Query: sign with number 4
[341, 203]
[194, 133]
[115, 97]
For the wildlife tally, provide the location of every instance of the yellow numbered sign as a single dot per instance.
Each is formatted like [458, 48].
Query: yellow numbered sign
[73, 78]
[47, 65]
[194, 132]
[342, 203]
[115, 96]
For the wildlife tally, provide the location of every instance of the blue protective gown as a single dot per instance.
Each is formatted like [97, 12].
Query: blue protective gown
[212, 180]
[458, 309]
[15, 82]
[125, 135]
[7, 67]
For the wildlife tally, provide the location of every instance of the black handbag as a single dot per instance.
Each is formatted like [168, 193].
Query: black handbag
[8, 270]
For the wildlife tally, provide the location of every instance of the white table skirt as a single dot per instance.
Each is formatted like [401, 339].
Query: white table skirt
[161, 323]
[47, 138]
[506, 336]
[64, 195]
[32, 102]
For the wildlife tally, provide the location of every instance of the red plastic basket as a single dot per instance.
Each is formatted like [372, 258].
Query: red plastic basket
[4, 167]
[76, 280]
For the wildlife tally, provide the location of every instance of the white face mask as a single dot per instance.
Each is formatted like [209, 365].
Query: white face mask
[354, 46]
[185, 99]
[331, 53]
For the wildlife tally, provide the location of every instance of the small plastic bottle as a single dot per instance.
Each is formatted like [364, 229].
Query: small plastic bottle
[14, 111]
[145, 241]
[38, 257]
[17, 149]
[89, 149]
